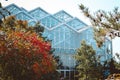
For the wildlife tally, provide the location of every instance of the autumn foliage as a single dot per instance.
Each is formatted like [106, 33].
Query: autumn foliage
[24, 55]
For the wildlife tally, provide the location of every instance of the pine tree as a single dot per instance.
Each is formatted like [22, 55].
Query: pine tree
[105, 24]
[88, 65]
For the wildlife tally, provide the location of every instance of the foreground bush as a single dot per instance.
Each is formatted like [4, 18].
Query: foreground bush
[24, 55]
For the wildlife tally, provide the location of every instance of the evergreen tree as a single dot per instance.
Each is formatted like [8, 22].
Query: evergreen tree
[105, 24]
[88, 65]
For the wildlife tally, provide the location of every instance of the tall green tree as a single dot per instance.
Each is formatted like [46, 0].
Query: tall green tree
[88, 66]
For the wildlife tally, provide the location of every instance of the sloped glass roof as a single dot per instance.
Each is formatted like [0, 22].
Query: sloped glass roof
[13, 8]
[62, 16]
[76, 24]
[49, 21]
[25, 16]
[23, 9]
[38, 13]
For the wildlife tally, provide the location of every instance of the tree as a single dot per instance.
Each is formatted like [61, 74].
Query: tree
[88, 65]
[1, 13]
[105, 24]
[24, 54]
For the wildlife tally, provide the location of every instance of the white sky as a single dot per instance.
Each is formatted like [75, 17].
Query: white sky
[70, 6]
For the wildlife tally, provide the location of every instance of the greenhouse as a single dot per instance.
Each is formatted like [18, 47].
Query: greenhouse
[66, 33]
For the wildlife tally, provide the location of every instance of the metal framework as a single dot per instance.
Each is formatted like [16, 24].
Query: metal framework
[65, 31]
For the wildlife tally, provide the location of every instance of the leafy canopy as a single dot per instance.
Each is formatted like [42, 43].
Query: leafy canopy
[24, 54]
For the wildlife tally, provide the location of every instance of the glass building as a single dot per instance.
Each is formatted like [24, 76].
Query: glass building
[66, 33]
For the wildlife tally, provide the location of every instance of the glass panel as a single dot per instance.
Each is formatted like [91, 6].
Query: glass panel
[76, 24]
[13, 9]
[23, 16]
[63, 16]
[49, 21]
[31, 23]
[38, 13]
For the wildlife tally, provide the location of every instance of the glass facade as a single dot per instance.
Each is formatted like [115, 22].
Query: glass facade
[66, 33]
